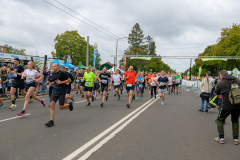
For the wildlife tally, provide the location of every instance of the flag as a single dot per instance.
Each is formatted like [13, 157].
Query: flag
[95, 49]
[235, 72]
[125, 59]
[200, 70]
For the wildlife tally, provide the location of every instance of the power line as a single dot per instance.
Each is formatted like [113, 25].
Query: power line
[81, 20]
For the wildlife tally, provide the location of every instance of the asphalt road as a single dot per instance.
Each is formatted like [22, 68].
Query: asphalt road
[146, 131]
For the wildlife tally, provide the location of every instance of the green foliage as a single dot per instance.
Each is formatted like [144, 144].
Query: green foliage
[10, 49]
[72, 46]
[136, 37]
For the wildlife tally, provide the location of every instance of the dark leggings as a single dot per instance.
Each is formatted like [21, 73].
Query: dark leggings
[153, 88]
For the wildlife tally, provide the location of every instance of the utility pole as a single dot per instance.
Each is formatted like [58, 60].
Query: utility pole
[87, 51]
[190, 75]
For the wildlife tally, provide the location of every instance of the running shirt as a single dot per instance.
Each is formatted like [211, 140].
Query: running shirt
[149, 77]
[30, 75]
[177, 79]
[132, 76]
[154, 81]
[71, 77]
[117, 79]
[59, 88]
[162, 82]
[170, 80]
[104, 77]
[89, 78]
[140, 84]
[81, 77]
[77, 79]
[18, 69]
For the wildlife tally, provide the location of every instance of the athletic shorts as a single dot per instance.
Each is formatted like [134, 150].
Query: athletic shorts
[131, 88]
[170, 85]
[82, 84]
[89, 89]
[104, 88]
[8, 88]
[117, 86]
[140, 89]
[96, 87]
[28, 85]
[60, 96]
[177, 84]
[40, 84]
[18, 84]
[162, 91]
[68, 89]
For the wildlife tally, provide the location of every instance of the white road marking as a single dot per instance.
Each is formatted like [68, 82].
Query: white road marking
[83, 100]
[105, 140]
[95, 139]
[14, 117]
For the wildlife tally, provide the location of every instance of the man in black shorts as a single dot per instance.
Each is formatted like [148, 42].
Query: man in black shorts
[17, 82]
[60, 80]
[103, 78]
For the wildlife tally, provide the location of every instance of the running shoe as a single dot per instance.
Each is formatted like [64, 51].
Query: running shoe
[180, 93]
[72, 98]
[50, 123]
[206, 110]
[115, 94]
[77, 92]
[236, 142]
[119, 97]
[101, 105]
[31, 100]
[2, 106]
[141, 97]
[136, 98]
[128, 105]
[88, 104]
[21, 113]
[107, 98]
[70, 106]
[13, 105]
[220, 140]
[162, 103]
[92, 99]
[43, 102]
[200, 110]
[82, 96]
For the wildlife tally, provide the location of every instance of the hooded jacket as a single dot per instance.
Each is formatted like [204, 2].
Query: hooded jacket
[223, 88]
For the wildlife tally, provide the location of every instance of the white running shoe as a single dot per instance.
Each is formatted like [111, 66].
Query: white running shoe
[162, 103]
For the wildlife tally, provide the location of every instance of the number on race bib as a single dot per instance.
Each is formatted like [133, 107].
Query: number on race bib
[153, 83]
[77, 81]
[87, 83]
[140, 86]
[129, 85]
[29, 79]
[104, 81]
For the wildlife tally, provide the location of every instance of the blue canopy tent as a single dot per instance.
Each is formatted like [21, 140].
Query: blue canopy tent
[69, 65]
[58, 62]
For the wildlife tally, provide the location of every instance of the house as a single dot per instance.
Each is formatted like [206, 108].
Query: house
[2, 49]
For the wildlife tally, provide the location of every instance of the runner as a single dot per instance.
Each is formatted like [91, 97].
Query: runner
[153, 82]
[96, 86]
[116, 77]
[103, 78]
[18, 82]
[170, 78]
[149, 76]
[82, 84]
[31, 85]
[162, 82]
[140, 86]
[88, 78]
[130, 77]
[50, 85]
[177, 78]
[60, 80]
[68, 86]
[77, 81]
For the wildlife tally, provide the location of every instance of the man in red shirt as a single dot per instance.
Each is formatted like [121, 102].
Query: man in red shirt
[149, 76]
[131, 77]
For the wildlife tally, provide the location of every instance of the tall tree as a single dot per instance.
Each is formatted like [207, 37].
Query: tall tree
[136, 37]
[150, 45]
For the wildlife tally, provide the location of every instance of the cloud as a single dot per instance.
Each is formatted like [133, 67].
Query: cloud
[179, 27]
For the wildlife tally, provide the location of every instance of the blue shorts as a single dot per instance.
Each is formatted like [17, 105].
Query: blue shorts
[131, 88]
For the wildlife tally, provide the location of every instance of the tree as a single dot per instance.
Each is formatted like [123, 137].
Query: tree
[150, 45]
[136, 37]
[72, 46]
[10, 49]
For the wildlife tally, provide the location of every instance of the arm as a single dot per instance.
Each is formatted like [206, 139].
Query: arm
[218, 88]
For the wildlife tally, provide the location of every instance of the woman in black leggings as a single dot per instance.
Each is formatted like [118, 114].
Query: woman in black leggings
[153, 83]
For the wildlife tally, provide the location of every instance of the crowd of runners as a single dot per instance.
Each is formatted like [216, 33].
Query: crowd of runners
[89, 84]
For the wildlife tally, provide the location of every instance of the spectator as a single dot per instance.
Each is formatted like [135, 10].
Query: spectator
[46, 74]
[9, 78]
[3, 76]
[223, 88]
[206, 88]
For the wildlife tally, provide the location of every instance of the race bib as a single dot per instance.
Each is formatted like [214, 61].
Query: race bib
[177, 80]
[140, 86]
[87, 83]
[29, 79]
[129, 85]
[15, 74]
[162, 83]
[77, 80]
[104, 81]
[153, 83]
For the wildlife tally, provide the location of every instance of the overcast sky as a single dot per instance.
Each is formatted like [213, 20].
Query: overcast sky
[179, 27]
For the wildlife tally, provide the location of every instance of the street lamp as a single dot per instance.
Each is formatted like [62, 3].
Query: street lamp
[116, 52]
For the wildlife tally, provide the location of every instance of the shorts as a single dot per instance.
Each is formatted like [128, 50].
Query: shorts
[88, 89]
[104, 88]
[161, 91]
[117, 86]
[177, 84]
[40, 84]
[82, 84]
[96, 87]
[60, 96]
[8, 88]
[140, 89]
[170, 85]
[130, 88]
[28, 85]
[68, 89]
[18, 84]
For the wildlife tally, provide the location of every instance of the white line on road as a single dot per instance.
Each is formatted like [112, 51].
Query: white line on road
[14, 117]
[95, 139]
[105, 140]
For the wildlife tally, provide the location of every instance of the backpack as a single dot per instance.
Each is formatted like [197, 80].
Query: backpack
[234, 94]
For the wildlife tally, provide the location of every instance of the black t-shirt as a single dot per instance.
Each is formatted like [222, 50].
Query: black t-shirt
[59, 88]
[162, 82]
[104, 77]
[18, 69]
[70, 76]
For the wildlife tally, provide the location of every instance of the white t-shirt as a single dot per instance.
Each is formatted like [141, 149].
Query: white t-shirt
[170, 79]
[30, 75]
[116, 78]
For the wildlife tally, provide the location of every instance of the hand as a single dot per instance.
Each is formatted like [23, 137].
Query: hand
[58, 81]
[92, 82]
[67, 83]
